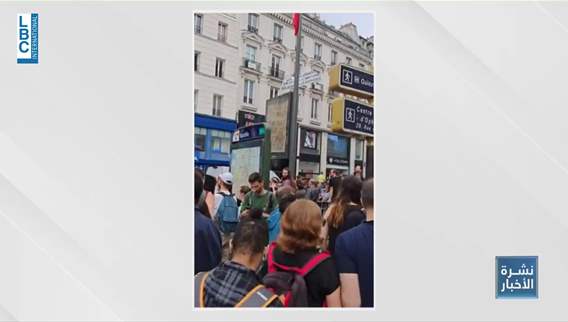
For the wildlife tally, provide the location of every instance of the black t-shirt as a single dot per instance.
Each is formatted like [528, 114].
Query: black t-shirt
[334, 183]
[353, 216]
[354, 254]
[320, 282]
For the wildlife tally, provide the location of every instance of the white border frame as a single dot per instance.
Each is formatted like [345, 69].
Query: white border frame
[296, 314]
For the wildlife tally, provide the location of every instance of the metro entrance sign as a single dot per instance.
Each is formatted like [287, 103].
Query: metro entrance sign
[351, 80]
[251, 132]
[352, 116]
[250, 152]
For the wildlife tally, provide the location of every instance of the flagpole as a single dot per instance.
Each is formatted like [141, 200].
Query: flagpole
[293, 142]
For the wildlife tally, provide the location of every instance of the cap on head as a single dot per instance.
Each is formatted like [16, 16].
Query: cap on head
[226, 177]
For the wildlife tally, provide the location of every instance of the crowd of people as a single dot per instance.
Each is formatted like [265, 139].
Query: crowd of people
[278, 247]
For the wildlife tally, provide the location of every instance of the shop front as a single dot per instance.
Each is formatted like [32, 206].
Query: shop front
[213, 141]
[310, 151]
[338, 147]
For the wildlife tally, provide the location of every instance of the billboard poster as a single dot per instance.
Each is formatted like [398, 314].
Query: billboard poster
[277, 111]
[244, 161]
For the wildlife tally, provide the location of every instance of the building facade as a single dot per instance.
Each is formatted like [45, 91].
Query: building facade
[262, 47]
[216, 77]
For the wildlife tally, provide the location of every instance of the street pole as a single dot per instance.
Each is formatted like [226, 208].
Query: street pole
[293, 134]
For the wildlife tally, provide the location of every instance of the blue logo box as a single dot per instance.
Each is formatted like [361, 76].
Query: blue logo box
[516, 277]
[28, 38]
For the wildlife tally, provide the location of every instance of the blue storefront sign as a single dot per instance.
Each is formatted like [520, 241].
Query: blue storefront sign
[213, 140]
[516, 277]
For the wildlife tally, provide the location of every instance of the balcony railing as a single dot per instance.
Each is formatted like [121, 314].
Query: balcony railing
[277, 39]
[276, 73]
[251, 64]
[222, 37]
[317, 57]
[252, 29]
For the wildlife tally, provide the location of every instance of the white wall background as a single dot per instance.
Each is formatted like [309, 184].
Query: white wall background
[96, 154]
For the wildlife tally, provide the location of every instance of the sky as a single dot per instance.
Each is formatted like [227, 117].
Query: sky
[363, 21]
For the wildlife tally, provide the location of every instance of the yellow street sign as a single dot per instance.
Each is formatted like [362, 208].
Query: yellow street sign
[350, 80]
[351, 116]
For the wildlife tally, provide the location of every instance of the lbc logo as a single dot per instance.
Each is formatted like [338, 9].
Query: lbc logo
[28, 50]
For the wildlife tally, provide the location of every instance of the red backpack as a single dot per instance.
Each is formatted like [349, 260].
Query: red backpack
[288, 281]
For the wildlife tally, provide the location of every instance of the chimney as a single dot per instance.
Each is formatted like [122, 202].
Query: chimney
[351, 30]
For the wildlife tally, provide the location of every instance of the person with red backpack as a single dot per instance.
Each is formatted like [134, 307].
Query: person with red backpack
[297, 271]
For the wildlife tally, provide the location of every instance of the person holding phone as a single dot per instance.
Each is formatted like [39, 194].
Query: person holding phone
[258, 197]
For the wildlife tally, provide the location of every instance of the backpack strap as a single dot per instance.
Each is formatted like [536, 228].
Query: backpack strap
[225, 194]
[199, 289]
[303, 271]
[220, 208]
[273, 266]
[313, 263]
[270, 258]
[260, 296]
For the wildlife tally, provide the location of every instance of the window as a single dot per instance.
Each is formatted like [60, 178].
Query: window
[317, 51]
[348, 60]
[333, 57]
[198, 23]
[219, 67]
[273, 92]
[314, 114]
[249, 91]
[196, 61]
[251, 53]
[277, 34]
[253, 22]
[222, 32]
[310, 139]
[220, 141]
[200, 136]
[217, 104]
[330, 111]
[359, 150]
[302, 42]
[275, 67]
[195, 95]
[337, 146]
